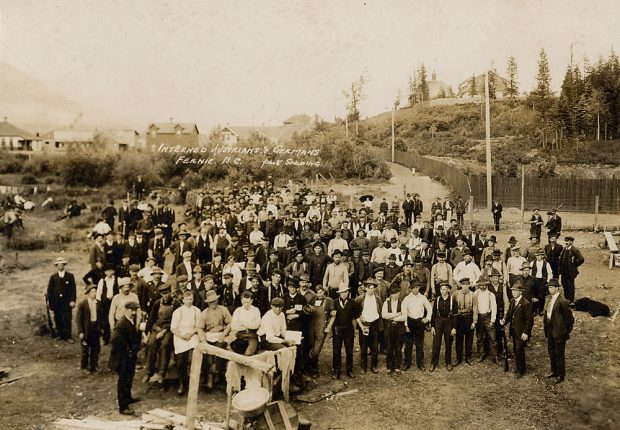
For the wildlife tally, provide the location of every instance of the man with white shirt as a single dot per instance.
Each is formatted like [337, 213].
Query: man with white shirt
[272, 330]
[337, 243]
[418, 312]
[513, 265]
[256, 236]
[485, 314]
[370, 324]
[246, 320]
[558, 324]
[106, 289]
[380, 253]
[184, 326]
[467, 269]
[117, 306]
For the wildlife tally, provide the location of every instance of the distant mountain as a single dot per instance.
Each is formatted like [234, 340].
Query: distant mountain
[34, 107]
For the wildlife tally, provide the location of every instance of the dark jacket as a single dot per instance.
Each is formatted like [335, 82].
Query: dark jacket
[61, 291]
[82, 317]
[520, 317]
[570, 260]
[561, 323]
[125, 343]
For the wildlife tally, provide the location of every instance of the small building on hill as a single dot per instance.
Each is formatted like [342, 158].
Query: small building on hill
[14, 139]
[171, 133]
[438, 89]
[500, 86]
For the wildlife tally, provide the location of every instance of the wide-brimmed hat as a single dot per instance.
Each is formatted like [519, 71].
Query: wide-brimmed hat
[342, 288]
[211, 296]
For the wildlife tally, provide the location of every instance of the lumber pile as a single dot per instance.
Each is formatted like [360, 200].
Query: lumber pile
[156, 419]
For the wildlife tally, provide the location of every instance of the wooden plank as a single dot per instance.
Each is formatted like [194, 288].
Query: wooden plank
[249, 361]
[192, 392]
[162, 413]
[268, 419]
[285, 420]
[611, 242]
[16, 378]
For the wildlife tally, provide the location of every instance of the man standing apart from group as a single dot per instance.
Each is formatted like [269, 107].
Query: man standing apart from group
[558, 324]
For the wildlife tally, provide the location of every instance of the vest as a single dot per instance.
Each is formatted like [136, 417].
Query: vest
[544, 270]
[451, 302]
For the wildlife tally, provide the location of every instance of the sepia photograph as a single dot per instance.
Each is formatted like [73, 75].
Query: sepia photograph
[278, 215]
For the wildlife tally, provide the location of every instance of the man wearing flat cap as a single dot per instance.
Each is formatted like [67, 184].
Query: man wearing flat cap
[521, 320]
[123, 356]
[186, 267]
[541, 274]
[570, 260]
[61, 296]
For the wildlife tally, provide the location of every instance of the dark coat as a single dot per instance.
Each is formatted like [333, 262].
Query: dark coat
[521, 318]
[125, 343]
[61, 292]
[82, 317]
[561, 323]
[570, 260]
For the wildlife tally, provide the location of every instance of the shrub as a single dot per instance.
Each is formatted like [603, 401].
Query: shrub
[10, 163]
[85, 169]
[29, 179]
[25, 242]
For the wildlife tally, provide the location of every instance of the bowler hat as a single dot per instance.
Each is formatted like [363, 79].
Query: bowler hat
[132, 305]
[569, 238]
[378, 269]
[553, 282]
[517, 286]
[277, 272]
[512, 240]
[394, 288]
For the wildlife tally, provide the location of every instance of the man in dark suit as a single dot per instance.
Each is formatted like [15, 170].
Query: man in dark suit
[558, 324]
[347, 311]
[179, 247]
[123, 354]
[553, 250]
[408, 207]
[496, 209]
[86, 320]
[521, 320]
[570, 260]
[61, 298]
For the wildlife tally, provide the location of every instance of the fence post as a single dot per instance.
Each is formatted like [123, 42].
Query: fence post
[471, 209]
[596, 202]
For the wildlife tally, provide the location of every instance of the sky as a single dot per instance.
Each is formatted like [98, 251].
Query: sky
[259, 62]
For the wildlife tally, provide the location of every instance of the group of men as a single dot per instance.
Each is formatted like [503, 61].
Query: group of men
[263, 262]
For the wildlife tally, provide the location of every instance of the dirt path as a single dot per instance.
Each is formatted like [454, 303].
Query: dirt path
[401, 177]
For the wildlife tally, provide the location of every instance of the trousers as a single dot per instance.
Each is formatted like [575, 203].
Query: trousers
[343, 336]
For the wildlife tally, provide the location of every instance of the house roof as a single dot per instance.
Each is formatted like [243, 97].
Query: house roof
[435, 87]
[70, 136]
[500, 83]
[125, 137]
[298, 119]
[171, 127]
[9, 130]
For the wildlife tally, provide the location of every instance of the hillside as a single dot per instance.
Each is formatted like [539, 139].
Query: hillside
[33, 106]
[456, 134]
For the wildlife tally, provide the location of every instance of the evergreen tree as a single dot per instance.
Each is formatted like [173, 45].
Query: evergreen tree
[473, 91]
[413, 88]
[422, 84]
[512, 86]
[542, 96]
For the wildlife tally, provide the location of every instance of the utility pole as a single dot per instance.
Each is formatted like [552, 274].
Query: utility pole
[393, 112]
[488, 141]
